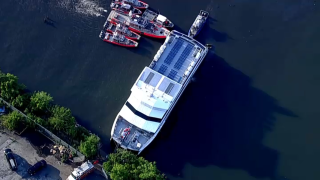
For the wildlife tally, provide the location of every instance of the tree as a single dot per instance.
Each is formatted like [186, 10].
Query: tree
[21, 101]
[9, 86]
[37, 120]
[39, 101]
[62, 119]
[125, 165]
[78, 133]
[89, 147]
[12, 120]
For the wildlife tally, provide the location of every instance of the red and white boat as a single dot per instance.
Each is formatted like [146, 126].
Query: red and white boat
[140, 25]
[124, 8]
[135, 3]
[118, 39]
[81, 171]
[121, 29]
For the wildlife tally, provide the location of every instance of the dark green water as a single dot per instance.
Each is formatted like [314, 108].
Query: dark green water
[250, 113]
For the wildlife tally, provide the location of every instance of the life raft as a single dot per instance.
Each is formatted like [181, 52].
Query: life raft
[125, 133]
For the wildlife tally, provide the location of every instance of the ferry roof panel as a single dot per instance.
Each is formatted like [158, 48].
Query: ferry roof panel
[177, 56]
[151, 81]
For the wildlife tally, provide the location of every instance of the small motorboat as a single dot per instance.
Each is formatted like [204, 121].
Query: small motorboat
[117, 39]
[121, 29]
[198, 24]
[124, 8]
[157, 18]
[134, 3]
[141, 26]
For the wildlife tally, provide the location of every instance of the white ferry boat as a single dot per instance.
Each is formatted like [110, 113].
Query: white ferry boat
[156, 91]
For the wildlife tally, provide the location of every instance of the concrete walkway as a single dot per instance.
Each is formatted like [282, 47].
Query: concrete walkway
[26, 156]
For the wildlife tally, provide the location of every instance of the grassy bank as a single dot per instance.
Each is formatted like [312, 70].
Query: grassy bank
[40, 109]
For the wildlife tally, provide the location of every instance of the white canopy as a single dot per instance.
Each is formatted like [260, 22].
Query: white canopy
[161, 18]
[149, 106]
[128, 115]
[126, 6]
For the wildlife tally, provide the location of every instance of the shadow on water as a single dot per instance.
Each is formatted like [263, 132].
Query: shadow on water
[211, 20]
[141, 49]
[177, 28]
[211, 34]
[49, 23]
[220, 120]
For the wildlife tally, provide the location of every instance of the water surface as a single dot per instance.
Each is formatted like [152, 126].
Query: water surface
[251, 111]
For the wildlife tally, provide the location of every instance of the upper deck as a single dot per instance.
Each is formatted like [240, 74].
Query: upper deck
[177, 57]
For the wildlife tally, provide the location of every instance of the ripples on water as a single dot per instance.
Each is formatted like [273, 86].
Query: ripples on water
[86, 7]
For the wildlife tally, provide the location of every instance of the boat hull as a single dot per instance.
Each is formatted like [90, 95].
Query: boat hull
[201, 14]
[126, 12]
[193, 35]
[129, 37]
[119, 44]
[147, 34]
[144, 7]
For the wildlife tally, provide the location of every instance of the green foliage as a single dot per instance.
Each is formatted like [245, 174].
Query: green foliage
[38, 105]
[64, 157]
[21, 101]
[9, 86]
[78, 133]
[2, 103]
[37, 120]
[89, 147]
[12, 120]
[62, 119]
[124, 165]
[30, 123]
[39, 101]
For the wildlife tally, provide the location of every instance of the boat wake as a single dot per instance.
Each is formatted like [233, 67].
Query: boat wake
[87, 7]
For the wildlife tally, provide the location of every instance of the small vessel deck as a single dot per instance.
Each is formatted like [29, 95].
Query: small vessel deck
[149, 15]
[121, 17]
[144, 136]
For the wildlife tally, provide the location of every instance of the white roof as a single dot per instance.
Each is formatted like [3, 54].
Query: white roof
[129, 116]
[127, 6]
[82, 169]
[151, 95]
[161, 18]
[149, 106]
